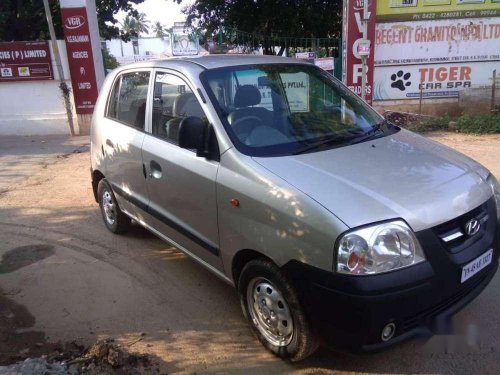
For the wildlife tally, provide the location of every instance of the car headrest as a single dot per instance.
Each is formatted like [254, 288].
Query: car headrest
[186, 105]
[246, 96]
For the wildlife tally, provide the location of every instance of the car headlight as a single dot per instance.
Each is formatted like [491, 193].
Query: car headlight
[378, 248]
[495, 186]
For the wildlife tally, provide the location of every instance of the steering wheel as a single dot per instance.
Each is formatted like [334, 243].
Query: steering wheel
[242, 127]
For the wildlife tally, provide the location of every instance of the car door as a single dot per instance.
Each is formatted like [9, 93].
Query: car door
[123, 135]
[181, 186]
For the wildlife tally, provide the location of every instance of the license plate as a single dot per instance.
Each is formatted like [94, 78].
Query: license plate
[476, 265]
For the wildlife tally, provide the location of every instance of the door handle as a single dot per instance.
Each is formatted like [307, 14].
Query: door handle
[155, 170]
[109, 143]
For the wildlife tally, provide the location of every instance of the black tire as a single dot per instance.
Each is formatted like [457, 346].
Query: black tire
[303, 340]
[121, 222]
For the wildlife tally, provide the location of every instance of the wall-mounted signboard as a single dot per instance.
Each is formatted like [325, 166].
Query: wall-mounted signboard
[80, 58]
[419, 10]
[440, 41]
[353, 36]
[185, 41]
[25, 61]
[305, 55]
[435, 80]
[325, 63]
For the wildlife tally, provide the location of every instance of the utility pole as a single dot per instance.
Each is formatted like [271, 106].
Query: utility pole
[493, 88]
[64, 88]
[364, 57]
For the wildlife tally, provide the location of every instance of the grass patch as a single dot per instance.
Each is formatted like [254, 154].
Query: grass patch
[480, 123]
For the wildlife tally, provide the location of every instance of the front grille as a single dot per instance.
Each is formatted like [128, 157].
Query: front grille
[452, 233]
[411, 322]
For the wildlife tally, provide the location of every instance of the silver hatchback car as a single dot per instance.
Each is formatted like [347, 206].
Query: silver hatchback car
[335, 225]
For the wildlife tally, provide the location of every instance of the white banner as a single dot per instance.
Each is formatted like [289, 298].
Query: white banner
[436, 80]
[296, 86]
[325, 63]
[439, 41]
[122, 60]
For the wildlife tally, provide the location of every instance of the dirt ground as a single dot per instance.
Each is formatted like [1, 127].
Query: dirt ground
[484, 148]
[64, 278]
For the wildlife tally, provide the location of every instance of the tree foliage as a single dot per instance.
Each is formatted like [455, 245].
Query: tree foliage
[293, 18]
[142, 23]
[25, 19]
[135, 26]
[106, 12]
[110, 61]
[159, 30]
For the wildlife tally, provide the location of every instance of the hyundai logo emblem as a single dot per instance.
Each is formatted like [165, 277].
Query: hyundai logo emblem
[472, 227]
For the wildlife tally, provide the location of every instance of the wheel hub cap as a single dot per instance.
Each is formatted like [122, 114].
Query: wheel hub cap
[270, 312]
[108, 207]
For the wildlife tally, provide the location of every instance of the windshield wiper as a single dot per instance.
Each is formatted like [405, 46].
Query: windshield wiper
[328, 141]
[375, 131]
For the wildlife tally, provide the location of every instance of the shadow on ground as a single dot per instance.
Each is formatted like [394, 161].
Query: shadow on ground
[69, 279]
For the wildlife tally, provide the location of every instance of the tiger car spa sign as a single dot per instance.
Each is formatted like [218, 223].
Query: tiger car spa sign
[353, 27]
[25, 61]
[80, 58]
[431, 80]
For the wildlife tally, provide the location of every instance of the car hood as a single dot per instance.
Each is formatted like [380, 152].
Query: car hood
[402, 175]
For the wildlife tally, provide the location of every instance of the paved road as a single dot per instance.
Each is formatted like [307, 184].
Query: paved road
[64, 277]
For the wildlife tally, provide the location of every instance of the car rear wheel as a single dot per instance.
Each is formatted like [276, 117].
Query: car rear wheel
[272, 307]
[114, 219]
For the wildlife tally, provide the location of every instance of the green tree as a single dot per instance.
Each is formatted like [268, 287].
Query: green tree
[25, 19]
[109, 60]
[106, 12]
[158, 29]
[129, 26]
[135, 26]
[297, 18]
[142, 24]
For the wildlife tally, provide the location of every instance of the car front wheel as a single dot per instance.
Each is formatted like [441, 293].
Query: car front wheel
[272, 306]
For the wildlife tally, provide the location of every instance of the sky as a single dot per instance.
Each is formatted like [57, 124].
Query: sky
[165, 11]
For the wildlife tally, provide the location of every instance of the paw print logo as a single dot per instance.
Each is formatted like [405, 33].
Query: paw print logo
[400, 80]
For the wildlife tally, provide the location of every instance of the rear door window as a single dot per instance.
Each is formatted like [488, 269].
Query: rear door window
[172, 102]
[128, 99]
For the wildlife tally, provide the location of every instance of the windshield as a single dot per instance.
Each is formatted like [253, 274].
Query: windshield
[285, 109]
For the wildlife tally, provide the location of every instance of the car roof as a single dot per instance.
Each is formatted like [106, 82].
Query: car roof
[213, 61]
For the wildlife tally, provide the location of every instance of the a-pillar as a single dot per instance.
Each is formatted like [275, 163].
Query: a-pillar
[83, 45]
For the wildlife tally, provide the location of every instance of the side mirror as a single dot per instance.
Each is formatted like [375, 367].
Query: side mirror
[193, 134]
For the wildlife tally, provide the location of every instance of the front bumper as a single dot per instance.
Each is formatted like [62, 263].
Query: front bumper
[349, 312]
